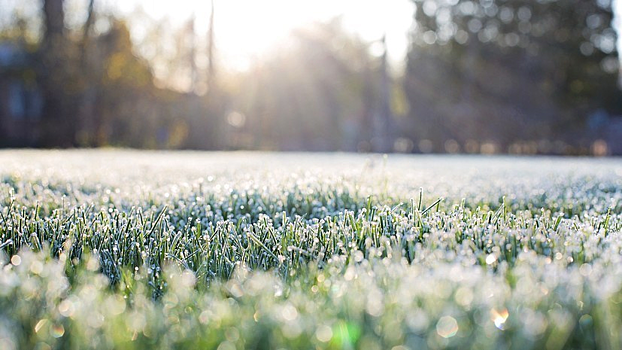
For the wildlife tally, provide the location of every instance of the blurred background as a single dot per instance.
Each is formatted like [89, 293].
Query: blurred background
[419, 76]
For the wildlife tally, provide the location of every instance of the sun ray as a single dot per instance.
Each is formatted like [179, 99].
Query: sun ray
[246, 29]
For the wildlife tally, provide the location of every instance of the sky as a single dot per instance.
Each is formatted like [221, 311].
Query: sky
[247, 29]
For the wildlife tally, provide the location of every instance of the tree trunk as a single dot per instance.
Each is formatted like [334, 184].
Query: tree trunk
[58, 129]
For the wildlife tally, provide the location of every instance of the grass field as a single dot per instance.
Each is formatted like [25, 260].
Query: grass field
[152, 250]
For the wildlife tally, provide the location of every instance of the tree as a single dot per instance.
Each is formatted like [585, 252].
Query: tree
[55, 78]
[510, 70]
[318, 92]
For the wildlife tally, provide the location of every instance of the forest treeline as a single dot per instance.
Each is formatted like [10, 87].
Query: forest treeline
[490, 76]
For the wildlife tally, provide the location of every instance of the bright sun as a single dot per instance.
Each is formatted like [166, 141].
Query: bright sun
[247, 29]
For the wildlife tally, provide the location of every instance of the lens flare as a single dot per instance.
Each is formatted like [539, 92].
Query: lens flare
[498, 317]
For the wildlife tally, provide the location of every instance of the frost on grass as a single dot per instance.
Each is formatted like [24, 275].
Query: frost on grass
[111, 249]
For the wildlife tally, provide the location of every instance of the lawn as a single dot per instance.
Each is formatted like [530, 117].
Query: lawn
[158, 250]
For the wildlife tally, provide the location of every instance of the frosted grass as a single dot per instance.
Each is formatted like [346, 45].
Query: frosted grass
[124, 249]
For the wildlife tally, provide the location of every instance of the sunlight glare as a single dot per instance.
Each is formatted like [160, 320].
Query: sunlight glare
[246, 30]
